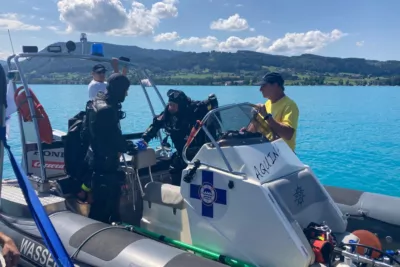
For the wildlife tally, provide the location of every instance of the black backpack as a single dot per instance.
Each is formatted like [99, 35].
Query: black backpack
[76, 144]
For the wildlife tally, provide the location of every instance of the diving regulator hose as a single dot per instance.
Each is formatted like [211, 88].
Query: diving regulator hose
[363, 259]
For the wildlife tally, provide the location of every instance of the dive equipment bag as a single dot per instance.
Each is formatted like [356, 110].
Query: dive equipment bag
[322, 241]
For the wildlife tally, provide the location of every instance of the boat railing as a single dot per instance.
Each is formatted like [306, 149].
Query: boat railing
[29, 55]
[212, 115]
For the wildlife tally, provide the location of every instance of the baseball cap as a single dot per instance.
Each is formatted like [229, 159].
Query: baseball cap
[272, 77]
[99, 68]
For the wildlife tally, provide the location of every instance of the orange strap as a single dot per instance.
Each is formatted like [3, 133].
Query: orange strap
[193, 132]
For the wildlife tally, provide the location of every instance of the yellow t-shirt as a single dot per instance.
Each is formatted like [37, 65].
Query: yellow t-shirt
[285, 111]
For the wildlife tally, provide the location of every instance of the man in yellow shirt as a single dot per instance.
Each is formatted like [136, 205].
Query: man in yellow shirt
[280, 112]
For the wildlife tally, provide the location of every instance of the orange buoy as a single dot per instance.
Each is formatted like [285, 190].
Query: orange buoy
[45, 130]
[369, 239]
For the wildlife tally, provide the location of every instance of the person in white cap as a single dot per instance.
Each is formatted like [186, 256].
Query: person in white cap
[98, 84]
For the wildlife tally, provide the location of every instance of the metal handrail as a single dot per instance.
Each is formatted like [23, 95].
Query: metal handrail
[22, 136]
[19, 56]
[213, 141]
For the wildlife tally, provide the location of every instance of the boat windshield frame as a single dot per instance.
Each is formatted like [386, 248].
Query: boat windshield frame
[212, 115]
[19, 69]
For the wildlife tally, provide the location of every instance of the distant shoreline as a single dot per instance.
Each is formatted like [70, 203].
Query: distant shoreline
[220, 85]
[224, 79]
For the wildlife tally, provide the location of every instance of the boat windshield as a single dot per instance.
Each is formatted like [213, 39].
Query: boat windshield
[229, 125]
[234, 119]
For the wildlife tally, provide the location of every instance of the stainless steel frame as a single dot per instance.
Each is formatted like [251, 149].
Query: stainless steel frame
[24, 155]
[19, 70]
[204, 128]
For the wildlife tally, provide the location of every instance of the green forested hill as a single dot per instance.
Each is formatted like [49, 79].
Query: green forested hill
[242, 67]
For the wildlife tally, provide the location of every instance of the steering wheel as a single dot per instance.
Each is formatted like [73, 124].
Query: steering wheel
[232, 134]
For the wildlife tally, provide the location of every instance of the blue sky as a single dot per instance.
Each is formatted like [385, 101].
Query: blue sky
[341, 28]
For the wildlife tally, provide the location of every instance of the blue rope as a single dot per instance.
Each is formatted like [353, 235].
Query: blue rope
[46, 228]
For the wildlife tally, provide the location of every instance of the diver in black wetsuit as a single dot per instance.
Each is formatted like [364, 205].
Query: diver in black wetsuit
[178, 118]
[106, 145]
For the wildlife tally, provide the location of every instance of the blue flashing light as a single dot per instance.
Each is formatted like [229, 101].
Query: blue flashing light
[97, 50]
[390, 252]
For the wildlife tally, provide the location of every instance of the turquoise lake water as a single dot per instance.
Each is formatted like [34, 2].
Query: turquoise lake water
[348, 135]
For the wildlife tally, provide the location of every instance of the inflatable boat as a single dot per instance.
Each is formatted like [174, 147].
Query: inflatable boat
[243, 201]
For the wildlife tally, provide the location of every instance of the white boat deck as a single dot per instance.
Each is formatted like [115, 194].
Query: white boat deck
[13, 202]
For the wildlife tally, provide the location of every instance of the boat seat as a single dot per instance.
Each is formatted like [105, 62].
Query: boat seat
[164, 194]
[303, 198]
[144, 159]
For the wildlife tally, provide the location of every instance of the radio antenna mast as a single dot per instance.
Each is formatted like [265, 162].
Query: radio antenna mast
[12, 46]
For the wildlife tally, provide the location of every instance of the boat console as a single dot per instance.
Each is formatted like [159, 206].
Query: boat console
[248, 197]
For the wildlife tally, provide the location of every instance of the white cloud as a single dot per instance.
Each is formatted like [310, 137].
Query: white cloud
[239, 5]
[308, 42]
[57, 30]
[290, 44]
[167, 36]
[266, 21]
[231, 44]
[234, 43]
[209, 42]
[165, 9]
[35, 8]
[4, 54]
[12, 21]
[92, 15]
[233, 23]
[360, 43]
[110, 16]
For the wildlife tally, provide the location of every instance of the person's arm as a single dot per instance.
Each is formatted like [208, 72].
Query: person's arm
[115, 66]
[153, 129]
[10, 252]
[288, 125]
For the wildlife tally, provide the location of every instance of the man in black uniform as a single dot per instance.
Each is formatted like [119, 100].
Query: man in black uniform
[178, 118]
[106, 145]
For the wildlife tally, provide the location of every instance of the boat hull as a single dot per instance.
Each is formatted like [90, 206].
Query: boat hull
[379, 214]
[110, 247]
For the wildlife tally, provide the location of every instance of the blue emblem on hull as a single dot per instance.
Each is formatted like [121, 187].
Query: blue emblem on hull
[208, 194]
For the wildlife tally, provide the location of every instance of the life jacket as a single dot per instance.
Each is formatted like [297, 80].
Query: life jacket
[76, 144]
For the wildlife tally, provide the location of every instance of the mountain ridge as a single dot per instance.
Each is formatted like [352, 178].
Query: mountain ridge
[160, 58]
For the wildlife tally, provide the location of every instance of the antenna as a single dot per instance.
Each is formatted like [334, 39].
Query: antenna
[83, 42]
[12, 46]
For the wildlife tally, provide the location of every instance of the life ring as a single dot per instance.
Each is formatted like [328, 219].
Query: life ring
[45, 129]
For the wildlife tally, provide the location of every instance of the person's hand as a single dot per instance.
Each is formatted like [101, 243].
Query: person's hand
[114, 64]
[125, 70]
[145, 143]
[261, 109]
[10, 253]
